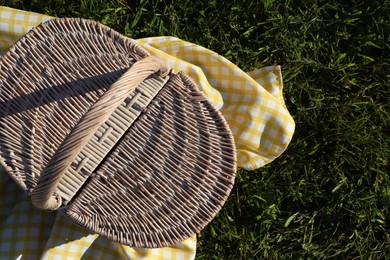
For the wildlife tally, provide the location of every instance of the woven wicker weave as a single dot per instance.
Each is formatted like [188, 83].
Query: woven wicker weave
[93, 126]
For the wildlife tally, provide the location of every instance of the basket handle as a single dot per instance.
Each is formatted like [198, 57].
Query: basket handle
[43, 196]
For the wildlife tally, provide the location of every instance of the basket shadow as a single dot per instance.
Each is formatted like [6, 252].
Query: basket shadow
[55, 93]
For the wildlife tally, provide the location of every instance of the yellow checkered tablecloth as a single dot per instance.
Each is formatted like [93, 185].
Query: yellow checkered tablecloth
[252, 104]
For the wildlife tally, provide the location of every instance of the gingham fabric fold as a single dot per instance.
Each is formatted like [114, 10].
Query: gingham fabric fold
[252, 103]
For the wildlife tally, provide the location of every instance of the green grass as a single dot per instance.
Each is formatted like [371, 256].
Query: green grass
[328, 195]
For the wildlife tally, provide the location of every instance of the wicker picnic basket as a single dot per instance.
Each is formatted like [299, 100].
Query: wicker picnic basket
[93, 126]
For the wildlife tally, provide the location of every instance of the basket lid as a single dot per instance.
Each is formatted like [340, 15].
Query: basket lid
[93, 126]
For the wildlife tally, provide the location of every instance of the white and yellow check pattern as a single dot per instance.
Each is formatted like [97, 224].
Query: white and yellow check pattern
[252, 104]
